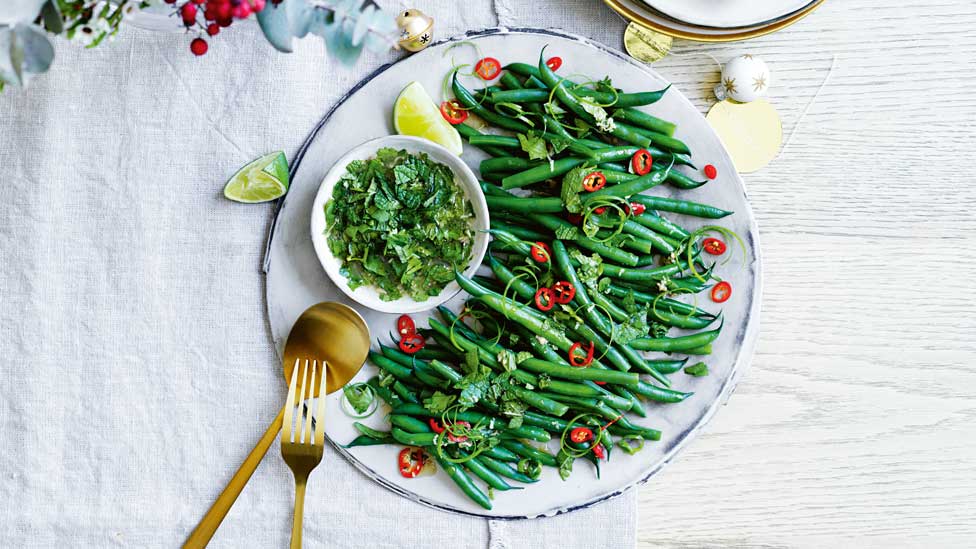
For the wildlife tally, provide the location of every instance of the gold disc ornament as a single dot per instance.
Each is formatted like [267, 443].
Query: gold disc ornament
[645, 45]
[751, 132]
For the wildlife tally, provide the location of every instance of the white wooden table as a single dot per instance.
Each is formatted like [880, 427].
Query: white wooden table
[854, 426]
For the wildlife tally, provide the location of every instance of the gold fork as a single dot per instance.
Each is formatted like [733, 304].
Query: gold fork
[301, 448]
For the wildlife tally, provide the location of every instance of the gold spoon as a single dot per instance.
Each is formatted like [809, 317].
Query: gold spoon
[327, 332]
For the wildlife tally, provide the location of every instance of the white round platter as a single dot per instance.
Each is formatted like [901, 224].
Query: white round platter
[295, 279]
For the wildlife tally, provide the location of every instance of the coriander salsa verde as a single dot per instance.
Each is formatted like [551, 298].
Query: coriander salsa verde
[399, 222]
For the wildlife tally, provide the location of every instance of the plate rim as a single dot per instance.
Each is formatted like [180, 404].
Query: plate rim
[741, 363]
[639, 19]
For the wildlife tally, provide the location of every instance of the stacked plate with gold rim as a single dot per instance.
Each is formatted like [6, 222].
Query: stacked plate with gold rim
[715, 20]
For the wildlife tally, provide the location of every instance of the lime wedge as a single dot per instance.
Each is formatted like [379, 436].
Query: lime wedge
[260, 181]
[415, 113]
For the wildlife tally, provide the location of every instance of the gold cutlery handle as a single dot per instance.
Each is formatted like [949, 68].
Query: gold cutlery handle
[215, 515]
[296, 525]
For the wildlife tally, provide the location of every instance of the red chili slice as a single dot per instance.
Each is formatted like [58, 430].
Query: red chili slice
[405, 325]
[563, 292]
[458, 438]
[411, 343]
[488, 68]
[594, 181]
[599, 452]
[411, 461]
[636, 208]
[721, 292]
[580, 361]
[452, 112]
[435, 426]
[580, 435]
[600, 210]
[544, 299]
[711, 172]
[713, 246]
[554, 63]
[641, 162]
[541, 252]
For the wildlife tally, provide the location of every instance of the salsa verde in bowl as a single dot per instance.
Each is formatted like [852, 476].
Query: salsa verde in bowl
[394, 218]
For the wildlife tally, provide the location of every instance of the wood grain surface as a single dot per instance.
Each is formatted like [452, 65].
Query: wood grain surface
[854, 426]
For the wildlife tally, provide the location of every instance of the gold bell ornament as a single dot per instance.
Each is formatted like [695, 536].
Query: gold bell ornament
[416, 29]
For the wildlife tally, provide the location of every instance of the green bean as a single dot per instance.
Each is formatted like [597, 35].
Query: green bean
[463, 481]
[408, 424]
[631, 227]
[682, 207]
[506, 164]
[661, 225]
[446, 371]
[523, 233]
[609, 253]
[502, 454]
[420, 368]
[676, 344]
[494, 141]
[480, 470]
[681, 321]
[412, 439]
[535, 399]
[525, 205]
[468, 100]
[667, 366]
[703, 350]
[383, 392]
[547, 170]
[682, 181]
[468, 132]
[364, 440]
[630, 188]
[633, 405]
[619, 100]
[563, 265]
[404, 392]
[626, 241]
[627, 379]
[490, 422]
[662, 140]
[660, 394]
[644, 120]
[431, 352]
[504, 469]
[400, 372]
[531, 452]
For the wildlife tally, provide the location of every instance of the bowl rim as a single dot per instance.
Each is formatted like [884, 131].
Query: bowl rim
[464, 177]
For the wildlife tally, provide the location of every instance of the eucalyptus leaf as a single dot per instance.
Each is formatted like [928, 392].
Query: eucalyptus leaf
[19, 11]
[10, 64]
[362, 26]
[51, 15]
[301, 16]
[337, 46]
[276, 27]
[382, 27]
[38, 52]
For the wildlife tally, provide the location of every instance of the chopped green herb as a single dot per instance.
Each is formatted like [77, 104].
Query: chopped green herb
[534, 145]
[698, 370]
[359, 396]
[401, 223]
[438, 402]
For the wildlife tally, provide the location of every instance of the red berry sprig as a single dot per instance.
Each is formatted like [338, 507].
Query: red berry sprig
[217, 14]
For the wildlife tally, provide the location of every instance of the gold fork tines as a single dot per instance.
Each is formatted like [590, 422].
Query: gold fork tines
[302, 447]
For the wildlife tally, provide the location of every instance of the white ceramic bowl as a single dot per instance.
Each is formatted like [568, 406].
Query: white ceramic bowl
[368, 295]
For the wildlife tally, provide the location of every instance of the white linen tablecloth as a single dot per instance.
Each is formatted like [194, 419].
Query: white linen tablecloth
[137, 368]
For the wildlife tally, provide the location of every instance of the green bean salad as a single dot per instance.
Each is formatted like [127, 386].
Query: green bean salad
[546, 363]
